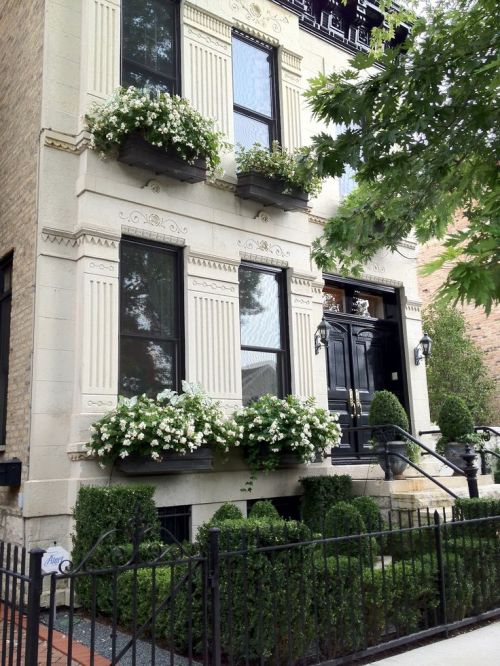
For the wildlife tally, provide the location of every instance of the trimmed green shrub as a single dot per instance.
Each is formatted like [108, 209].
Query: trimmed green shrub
[265, 596]
[386, 409]
[455, 419]
[344, 519]
[99, 510]
[480, 507]
[370, 512]
[359, 607]
[321, 493]
[227, 511]
[265, 510]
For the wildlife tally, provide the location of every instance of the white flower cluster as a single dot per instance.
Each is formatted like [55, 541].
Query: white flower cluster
[163, 120]
[143, 426]
[273, 425]
[298, 170]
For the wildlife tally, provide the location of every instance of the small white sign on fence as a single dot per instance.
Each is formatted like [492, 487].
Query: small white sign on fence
[54, 557]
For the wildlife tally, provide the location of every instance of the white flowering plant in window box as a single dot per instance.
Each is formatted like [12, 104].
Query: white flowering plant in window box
[277, 177]
[170, 425]
[166, 122]
[291, 427]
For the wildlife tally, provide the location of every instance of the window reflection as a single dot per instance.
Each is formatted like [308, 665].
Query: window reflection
[149, 318]
[263, 355]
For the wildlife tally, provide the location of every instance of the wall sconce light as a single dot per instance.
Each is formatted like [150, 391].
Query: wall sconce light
[423, 349]
[321, 335]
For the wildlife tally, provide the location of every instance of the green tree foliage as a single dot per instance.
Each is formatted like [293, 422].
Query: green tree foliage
[457, 366]
[455, 419]
[423, 136]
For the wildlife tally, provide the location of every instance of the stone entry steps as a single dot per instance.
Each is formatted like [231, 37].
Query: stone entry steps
[414, 493]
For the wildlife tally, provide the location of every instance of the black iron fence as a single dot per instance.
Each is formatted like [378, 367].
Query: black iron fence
[264, 596]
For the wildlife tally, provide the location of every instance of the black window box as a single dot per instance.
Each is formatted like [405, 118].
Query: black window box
[10, 472]
[136, 151]
[270, 192]
[199, 460]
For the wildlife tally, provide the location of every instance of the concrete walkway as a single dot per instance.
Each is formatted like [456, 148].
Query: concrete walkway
[474, 648]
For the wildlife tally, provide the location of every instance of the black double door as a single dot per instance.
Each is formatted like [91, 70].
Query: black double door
[363, 356]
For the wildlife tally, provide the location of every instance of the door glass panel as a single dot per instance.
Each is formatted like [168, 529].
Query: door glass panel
[260, 374]
[148, 291]
[146, 366]
[252, 77]
[368, 305]
[333, 299]
[259, 309]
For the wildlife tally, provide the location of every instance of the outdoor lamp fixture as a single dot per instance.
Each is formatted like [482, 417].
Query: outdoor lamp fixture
[321, 335]
[423, 349]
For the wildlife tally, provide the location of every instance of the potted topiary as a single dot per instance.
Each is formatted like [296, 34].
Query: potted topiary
[387, 410]
[457, 430]
[276, 177]
[285, 432]
[170, 434]
[156, 131]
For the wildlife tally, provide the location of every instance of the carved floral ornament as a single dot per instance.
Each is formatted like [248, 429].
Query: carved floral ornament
[263, 245]
[254, 13]
[153, 220]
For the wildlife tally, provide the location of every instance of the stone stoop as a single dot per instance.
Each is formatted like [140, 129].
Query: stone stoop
[415, 493]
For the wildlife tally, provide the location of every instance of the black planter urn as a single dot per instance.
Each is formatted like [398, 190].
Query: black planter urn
[397, 465]
[136, 151]
[172, 462]
[269, 192]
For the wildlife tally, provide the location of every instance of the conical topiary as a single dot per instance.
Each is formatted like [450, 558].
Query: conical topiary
[386, 409]
[455, 419]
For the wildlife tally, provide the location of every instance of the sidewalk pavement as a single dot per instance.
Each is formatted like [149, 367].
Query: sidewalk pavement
[474, 648]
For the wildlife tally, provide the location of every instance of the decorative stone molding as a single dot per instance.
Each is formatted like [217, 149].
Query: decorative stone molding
[255, 32]
[378, 279]
[217, 287]
[213, 263]
[255, 14]
[410, 245]
[291, 61]
[83, 235]
[208, 23]
[221, 185]
[153, 220]
[66, 142]
[317, 219]
[208, 40]
[413, 305]
[153, 235]
[263, 245]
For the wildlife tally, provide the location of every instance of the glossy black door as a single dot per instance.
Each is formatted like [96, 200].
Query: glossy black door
[363, 357]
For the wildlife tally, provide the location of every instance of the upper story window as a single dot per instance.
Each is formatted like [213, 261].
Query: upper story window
[5, 301]
[264, 354]
[150, 44]
[151, 352]
[255, 92]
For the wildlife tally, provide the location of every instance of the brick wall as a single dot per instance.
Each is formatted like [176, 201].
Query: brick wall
[485, 331]
[21, 39]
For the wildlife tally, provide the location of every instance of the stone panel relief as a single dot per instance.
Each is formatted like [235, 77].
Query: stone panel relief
[103, 39]
[302, 337]
[99, 363]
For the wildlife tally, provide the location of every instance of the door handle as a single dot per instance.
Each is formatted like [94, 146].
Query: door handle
[351, 403]
[358, 406]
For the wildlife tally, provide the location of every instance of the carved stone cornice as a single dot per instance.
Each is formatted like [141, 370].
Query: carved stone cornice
[269, 248]
[317, 219]
[221, 184]
[77, 238]
[212, 262]
[207, 23]
[259, 17]
[68, 143]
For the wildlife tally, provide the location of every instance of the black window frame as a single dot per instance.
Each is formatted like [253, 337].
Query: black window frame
[284, 370]
[6, 263]
[181, 516]
[273, 123]
[176, 88]
[180, 339]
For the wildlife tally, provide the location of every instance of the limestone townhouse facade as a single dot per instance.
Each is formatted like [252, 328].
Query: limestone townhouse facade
[75, 227]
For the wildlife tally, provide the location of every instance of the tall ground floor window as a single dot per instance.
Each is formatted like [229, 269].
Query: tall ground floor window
[264, 339]
[5, 300]
[151, 349]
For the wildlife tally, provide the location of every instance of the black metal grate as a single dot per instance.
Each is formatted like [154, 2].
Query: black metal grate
[175, 523]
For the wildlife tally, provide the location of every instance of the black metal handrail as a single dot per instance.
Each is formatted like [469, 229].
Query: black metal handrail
[470, 472]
